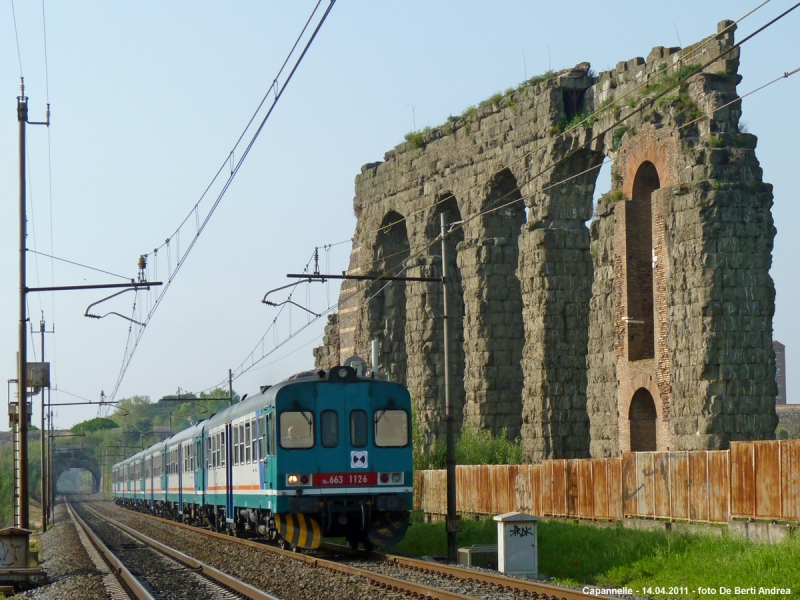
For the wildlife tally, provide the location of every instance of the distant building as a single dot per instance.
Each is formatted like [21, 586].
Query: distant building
[780, 371]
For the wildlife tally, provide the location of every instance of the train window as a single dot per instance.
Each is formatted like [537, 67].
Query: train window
[297, 429]
[208, 452]
[247, 455]
[235, 445]
[329, 428]
[264, 437]
[358, 429]
[391, 428]
[254, 439]
[240, 447]
[258, 439]
[222, 437]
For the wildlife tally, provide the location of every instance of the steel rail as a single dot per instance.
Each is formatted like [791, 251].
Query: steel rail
[500, 581]
[237, 585]
[535, 589]
[384, 581]
[130, 583]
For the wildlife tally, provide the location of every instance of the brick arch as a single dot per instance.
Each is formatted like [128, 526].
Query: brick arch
[627, 392]
[642, 419]
[655, 146]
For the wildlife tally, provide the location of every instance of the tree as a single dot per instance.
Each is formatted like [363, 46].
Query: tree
[92, 425]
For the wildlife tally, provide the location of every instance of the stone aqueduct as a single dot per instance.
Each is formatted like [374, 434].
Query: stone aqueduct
[650, 328]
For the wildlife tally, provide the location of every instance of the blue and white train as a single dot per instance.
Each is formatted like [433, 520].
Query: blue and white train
[321, 454]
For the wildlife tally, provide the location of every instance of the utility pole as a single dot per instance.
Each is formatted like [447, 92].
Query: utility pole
[42, 331]
[453, 524]
[230, 388]
[22, 358]
[453, 520]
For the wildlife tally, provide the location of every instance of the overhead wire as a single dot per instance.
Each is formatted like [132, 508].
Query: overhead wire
[77, 264]
[277, 91]
[595, 137]
[591, 117]
[400, 267]
[54, 362]
[681, 80]
[16, 35]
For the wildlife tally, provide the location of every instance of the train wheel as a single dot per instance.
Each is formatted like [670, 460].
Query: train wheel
[283, 544]
[368, 547]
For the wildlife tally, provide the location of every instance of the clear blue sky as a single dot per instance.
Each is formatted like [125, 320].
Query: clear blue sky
[149, 97]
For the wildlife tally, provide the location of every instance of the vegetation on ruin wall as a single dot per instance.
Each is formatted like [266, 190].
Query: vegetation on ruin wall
[616, 556]
[419, 137]
[473, 447]
[132, 425]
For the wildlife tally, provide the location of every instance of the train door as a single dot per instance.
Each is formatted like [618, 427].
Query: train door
[226, 452]
[180, 479]
[141, 479]
[152, 478]
[267, 425]
[357, 412]
[164, 476]
[332, 447]
[199, 470]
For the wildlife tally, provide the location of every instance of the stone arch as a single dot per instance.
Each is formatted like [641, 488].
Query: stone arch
[555, 268]
[642, 417]
[425, 327]
[388, 304]
[639, 263]
[86, 462]
[493, 323]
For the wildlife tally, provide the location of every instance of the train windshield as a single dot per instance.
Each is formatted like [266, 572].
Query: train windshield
[329, 428]
[391, 428]
[297, 429]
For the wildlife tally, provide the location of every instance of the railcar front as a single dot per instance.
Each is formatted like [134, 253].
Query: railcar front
[341, 462]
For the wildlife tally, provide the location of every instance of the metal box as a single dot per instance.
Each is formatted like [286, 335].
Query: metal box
[478, 556]
[38, 374]
[517, 543]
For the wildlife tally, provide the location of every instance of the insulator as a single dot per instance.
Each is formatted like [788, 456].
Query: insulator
[142, 262]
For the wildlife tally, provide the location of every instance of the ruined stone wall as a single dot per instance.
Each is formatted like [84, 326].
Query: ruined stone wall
[553, 330]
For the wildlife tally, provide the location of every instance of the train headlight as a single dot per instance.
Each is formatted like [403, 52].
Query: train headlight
[298, 480]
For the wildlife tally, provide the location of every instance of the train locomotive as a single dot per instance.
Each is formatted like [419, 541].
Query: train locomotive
[322, 454]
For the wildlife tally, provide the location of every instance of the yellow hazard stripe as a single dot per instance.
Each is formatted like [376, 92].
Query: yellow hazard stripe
[299, 530]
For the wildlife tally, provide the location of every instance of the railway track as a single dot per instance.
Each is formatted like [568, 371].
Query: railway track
[406, 576]
[138, 567]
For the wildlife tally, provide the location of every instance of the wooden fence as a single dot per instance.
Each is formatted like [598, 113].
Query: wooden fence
[751, 480]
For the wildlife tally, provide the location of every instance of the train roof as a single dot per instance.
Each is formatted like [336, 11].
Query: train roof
[266, 397]
[268, 393]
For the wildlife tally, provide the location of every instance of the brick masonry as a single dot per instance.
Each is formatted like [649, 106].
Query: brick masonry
[556, 325]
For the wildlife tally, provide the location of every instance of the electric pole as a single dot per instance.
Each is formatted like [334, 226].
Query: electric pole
[453, 524]
[22, 357]
[42, 331]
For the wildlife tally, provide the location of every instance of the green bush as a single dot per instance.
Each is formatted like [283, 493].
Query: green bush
[474, 446]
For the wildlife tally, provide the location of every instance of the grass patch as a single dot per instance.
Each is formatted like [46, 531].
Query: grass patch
[616, 556]
[417, 138]
[616, 137]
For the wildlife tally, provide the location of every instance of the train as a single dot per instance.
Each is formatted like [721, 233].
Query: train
[323, 453]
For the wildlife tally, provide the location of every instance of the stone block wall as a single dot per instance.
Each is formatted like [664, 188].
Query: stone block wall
[544, 316]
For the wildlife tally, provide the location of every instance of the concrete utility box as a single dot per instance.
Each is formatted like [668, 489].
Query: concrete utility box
[14, 548]
[517, 544]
